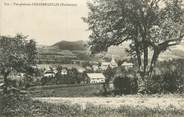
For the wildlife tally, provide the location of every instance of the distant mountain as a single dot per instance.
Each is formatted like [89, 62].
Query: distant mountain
[175, 52]
[179, 53]
[68, 45]
[64, 50]
[80, 50]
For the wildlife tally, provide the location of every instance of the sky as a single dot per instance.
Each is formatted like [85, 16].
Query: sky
[45, 24]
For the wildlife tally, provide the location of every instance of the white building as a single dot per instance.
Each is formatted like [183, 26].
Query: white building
[64, 71]
[95, 67]
[105, 65]
[111, 64]
[96, 77]
[127, 65]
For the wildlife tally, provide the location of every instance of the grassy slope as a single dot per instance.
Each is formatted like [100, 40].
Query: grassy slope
[65, 49]
[124, 111]
[66, 91]
[162, 102]
[40, 109]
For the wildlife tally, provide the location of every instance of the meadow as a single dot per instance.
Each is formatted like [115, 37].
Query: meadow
[46, 109]
[56, 101]
[67, 90]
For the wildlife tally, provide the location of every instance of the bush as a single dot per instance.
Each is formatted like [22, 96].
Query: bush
[125, 82]
[168, 77]
[15, 104]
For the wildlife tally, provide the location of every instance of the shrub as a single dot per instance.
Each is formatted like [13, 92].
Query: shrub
[15, 103]
[168, 77]
[125, 82]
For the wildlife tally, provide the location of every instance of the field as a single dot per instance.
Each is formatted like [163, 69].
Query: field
[125, 106]
[56, 101]
[82, 101]
[67, 90]
[163, 102]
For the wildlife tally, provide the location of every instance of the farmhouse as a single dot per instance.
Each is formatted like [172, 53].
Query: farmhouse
[127, 65]
[111, 64]
[95, 67]
[96, 77]
[64, 71]
[105, 65]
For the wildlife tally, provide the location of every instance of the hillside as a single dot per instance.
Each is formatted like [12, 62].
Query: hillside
[67, 45]
[63, 51]
[79, 50]
[175, 52]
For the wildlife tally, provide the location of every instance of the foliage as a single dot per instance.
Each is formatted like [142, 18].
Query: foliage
[125, 81]
[109, 73]
[168, 77]
[148, 25]
[15, 104]
[17, 54]
[31, 51]
[74, 75]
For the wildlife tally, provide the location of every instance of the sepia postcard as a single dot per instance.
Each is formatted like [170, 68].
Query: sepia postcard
[91, 58]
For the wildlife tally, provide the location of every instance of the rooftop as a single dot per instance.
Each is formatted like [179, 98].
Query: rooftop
[95, 75]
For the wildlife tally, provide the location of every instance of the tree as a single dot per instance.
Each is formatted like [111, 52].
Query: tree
[73, 75]
[150, 26]
[17, 54]
[31, 51]
[109, 73]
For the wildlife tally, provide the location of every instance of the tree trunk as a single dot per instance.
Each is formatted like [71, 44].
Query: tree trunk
[138, 54]
[153, 61]
[5, 88]
[145, 59]
[141, 75]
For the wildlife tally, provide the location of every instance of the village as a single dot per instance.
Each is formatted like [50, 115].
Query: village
[89, 71]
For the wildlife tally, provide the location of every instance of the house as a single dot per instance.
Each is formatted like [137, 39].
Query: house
[81, 70]
[111, 64]
[127, 65]
[105, 65]
[49, 73]
[78, 62]
[95, 67]
[96, 77]
[64, 71]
